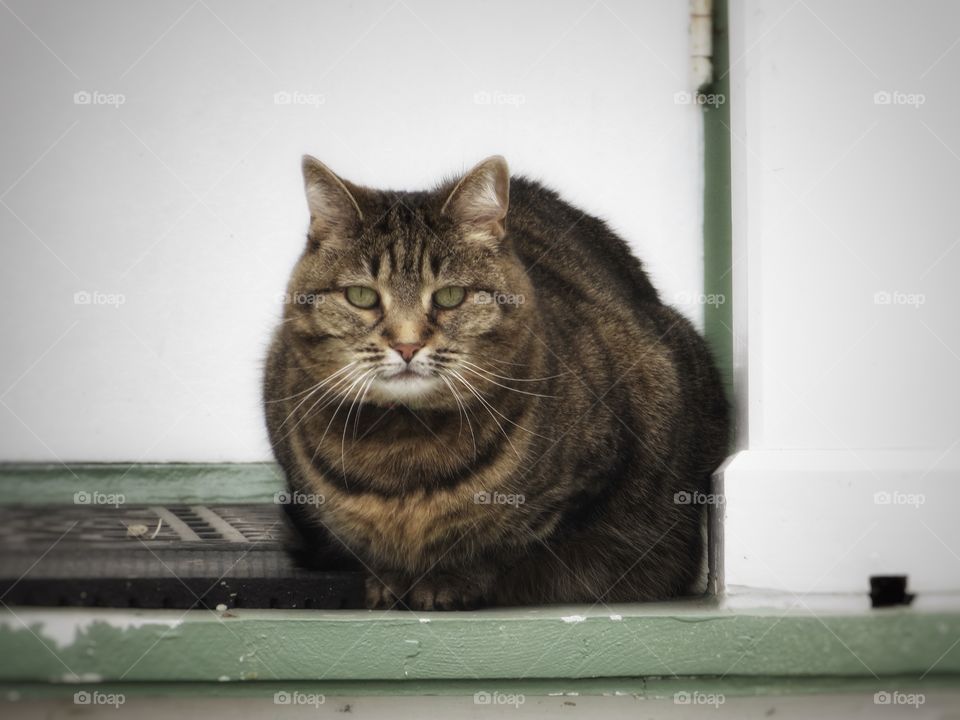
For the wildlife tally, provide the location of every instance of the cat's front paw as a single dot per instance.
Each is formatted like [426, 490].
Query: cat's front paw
[385, 591]
[444, 591]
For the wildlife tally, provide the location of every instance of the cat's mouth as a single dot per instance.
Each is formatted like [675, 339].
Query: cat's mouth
[407, 385]
[405, 375]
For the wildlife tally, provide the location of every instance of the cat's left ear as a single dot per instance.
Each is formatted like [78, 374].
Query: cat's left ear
[481, 198]
[334, 212]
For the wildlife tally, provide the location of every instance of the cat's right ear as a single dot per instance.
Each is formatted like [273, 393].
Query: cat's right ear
[334, 212]
[480, 199]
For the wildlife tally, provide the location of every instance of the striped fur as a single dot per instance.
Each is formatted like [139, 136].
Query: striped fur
[592, 401]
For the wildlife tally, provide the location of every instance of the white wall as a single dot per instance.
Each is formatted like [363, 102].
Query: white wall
[846, 172]
[846, 198]
[186, 199]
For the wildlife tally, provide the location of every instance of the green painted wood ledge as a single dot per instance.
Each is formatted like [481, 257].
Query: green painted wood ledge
[753, 639]
[682, 639]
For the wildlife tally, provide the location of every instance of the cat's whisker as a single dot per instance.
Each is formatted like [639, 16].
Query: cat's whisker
[346, 422]
[312, 388]
[468, 413]
[487, 407]
[507, 377]
[326, 382]
[461, 411]
[459, 407]
[338, 382]
[341, 391]
[309, 391]
[356, 420]
[333, 417]
[505, 387]
[489, 358]
[332, 390]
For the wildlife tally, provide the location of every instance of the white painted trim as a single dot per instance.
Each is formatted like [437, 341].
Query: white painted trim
[840, 390]
[815, 521]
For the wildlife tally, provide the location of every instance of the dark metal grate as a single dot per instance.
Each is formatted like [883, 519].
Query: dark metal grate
[155, 556]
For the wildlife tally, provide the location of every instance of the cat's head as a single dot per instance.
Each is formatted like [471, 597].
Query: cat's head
[409, 297]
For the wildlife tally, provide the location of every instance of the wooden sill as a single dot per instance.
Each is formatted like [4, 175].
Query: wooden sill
[745, 635]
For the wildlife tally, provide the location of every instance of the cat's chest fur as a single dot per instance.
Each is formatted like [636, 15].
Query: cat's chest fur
[412, 530]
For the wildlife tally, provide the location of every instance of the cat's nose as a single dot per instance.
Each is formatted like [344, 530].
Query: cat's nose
[407, 350]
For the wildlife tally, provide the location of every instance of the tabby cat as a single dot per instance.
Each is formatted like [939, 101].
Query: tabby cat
[477, 394]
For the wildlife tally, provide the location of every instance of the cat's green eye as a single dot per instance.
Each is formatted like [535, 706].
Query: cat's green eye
[362, 297]
[449, 297]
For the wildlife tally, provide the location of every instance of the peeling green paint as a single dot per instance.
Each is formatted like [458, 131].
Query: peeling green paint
[677, 639]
